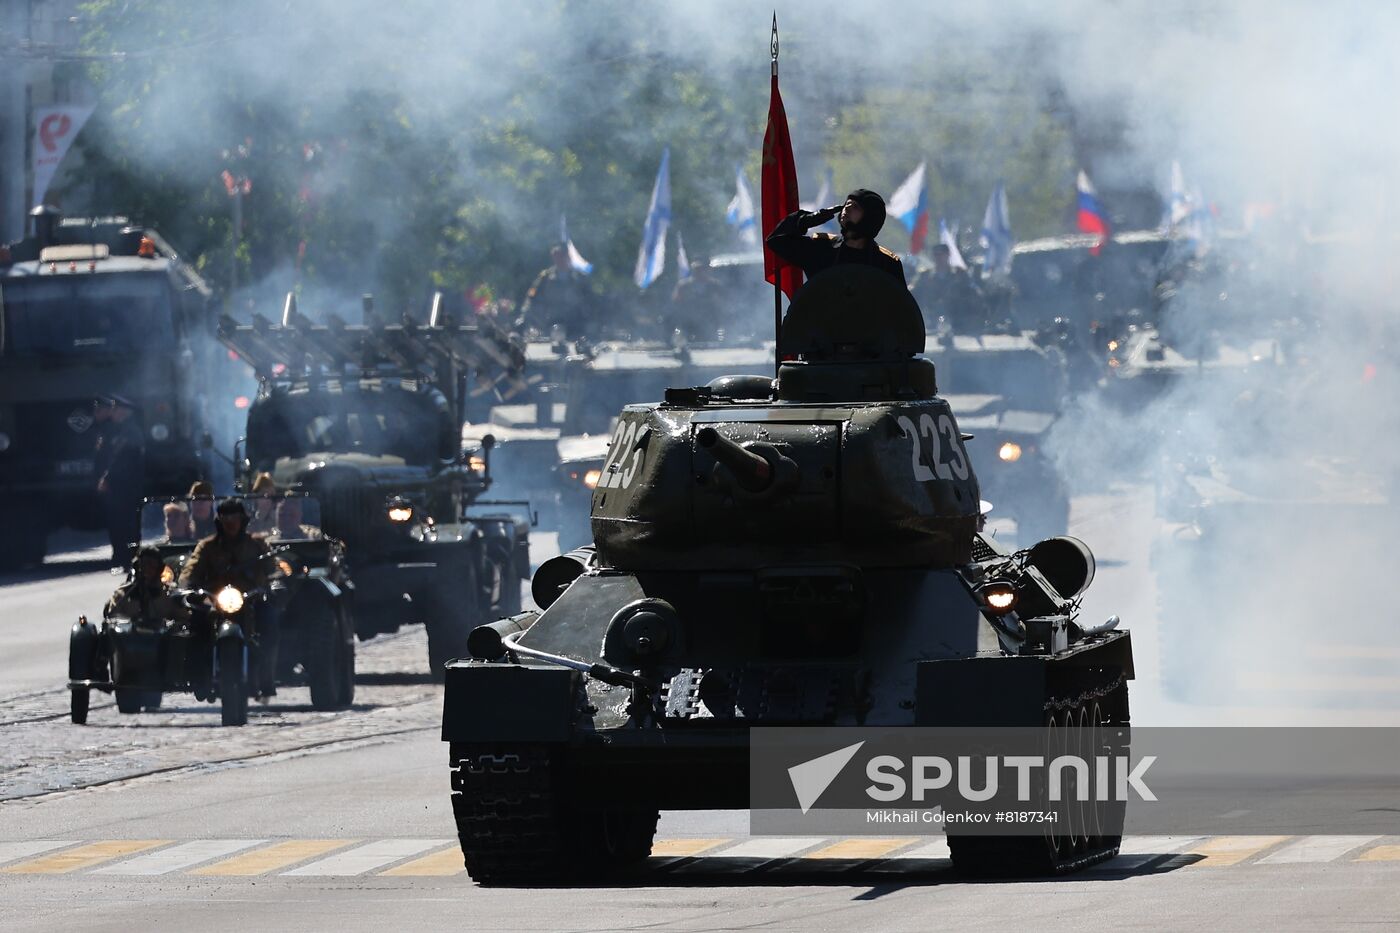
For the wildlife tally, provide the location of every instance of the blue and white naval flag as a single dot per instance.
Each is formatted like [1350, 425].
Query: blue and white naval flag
[740, 214]
[945, 237]
[997, 240]
[651, 257]
[682, 260]
[580, 265]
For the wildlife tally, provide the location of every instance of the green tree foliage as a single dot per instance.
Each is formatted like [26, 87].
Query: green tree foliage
[388, 155]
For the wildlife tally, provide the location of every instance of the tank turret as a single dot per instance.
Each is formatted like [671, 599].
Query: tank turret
[851, 457]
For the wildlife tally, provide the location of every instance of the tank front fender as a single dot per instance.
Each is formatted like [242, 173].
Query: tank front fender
[509, 703]
[1011, 690]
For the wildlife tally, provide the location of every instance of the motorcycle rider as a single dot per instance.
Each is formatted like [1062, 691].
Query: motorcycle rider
[233, 557]
[146, 596]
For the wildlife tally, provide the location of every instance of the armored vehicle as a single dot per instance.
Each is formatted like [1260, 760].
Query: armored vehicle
[367, 418]
[95, 307]
[802, 551]
[1008, 392]
[556, 446]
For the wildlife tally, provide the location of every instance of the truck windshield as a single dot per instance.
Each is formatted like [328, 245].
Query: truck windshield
[1025, 377]
[74, 315]
[377, 422]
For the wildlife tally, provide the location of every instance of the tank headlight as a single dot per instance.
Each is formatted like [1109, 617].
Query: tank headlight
[167, 574]
[4, 441]
[285, 568]
[591, 478]
[400, 513]
[998, 598]
[1010, 451]
[159, 432]
[229, 600]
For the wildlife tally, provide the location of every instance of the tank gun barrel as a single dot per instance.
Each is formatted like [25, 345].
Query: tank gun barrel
[752, 470]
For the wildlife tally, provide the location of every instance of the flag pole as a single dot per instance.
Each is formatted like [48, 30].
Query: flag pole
[777, 279]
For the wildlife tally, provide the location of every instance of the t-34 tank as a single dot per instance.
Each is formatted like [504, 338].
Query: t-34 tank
[798, 551]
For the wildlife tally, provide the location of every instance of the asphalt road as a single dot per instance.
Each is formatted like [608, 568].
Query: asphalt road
[306, 820]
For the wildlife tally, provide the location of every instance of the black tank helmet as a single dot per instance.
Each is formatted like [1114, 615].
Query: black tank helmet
[232, 506]
[873, 216]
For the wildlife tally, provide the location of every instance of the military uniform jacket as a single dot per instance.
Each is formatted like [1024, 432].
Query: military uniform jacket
[134, 601]
[219, 561]
[821, 251]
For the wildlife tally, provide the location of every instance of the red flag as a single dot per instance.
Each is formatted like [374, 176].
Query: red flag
[779, 191]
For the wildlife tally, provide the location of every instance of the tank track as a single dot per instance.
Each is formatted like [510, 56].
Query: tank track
[1022, 856]
[516, 826]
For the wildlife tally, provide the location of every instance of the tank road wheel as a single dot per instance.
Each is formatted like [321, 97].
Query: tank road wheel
[1093, 723]
[517, 825]
[233, 683]
[78, 707]
[454, 610]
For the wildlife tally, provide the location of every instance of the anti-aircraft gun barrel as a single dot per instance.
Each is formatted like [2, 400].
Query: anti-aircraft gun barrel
[753, 471]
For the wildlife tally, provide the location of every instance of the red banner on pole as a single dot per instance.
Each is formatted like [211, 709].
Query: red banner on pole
[779, 191]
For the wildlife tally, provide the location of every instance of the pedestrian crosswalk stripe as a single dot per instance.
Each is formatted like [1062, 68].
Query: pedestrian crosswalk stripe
[368, 857]
[1222, 851]
[280, 855]
[1387, 853]
[178, 858]
[437, 865]
[1155, 845]
[87, 856]
[770, 847]
[860, 847]
[1315, 849]
[680, 848]
[10, 851]
[937, 849]
[428, 858]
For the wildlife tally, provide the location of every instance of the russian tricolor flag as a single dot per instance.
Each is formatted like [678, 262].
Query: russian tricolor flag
[909, 205]
[1092, 218]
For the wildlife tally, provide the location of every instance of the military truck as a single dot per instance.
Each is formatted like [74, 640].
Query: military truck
[92, 307]
[1009, 391]
[367, 418]
[800, 552]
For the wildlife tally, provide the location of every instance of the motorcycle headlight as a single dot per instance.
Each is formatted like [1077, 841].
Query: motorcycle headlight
[400, 513]
[476, 463]
[167, 575]
[1010, 451]
[159, 432]
[229, 600]
[998, 597]
[591, 477]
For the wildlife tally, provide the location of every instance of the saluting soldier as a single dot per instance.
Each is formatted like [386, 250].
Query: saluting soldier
[861, 215]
